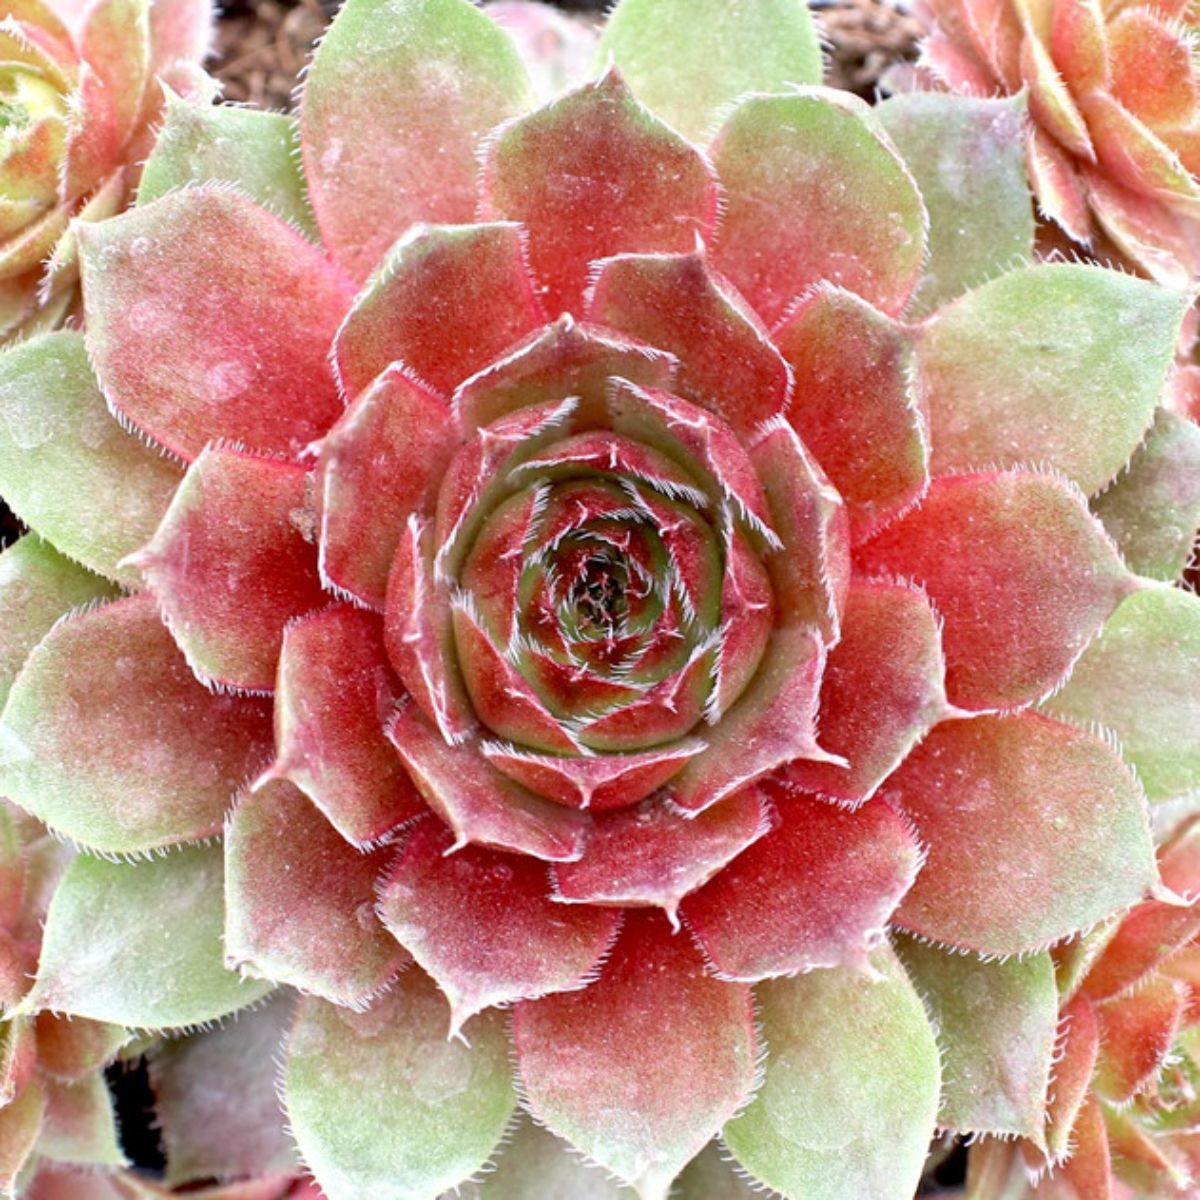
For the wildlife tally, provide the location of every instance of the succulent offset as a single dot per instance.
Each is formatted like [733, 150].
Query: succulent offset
[645, 608]
[1114, 106]
[81, 87]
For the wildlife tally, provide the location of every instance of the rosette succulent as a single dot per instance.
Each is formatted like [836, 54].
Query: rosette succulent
[1114, 107]
[627, 606]
[80, 88]
[1122, 1117]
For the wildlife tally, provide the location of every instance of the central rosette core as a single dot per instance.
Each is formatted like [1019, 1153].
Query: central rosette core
[589, 601]
[600, 591]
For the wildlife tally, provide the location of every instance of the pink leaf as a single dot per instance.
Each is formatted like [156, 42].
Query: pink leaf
[192, 343]
[1022, 573]
[336, 693]
[484, 925]
[469, 279]
[595, 174]
[299, 901]
[233, 562]
[816, 891]
[587, 1073]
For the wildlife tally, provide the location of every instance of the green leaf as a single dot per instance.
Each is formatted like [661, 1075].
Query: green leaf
[1141, 679]
[968, 158]
[1152, 508]
[398, 97]
[81, 1125]
[139, 944]
[20, 1124]
[1059, 364]
[194, 1079]
[996, 1024]
[382, 1105]
[67, 469]
[536, 1163]
[849, 1097]
[258, 151]
[687, 59]
[37, 586]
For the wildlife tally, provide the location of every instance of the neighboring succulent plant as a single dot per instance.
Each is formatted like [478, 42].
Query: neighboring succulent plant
[635, 532]
[1114, 102]
[80, 88]
[1124, 1106]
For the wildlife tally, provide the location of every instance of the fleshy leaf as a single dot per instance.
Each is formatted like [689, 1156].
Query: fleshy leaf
[395, 103]
[861, 1122]
[688, 59]
[233, 562]
[997, 1026]
[149, 760]
[811, 573]
[66, 467]
[816, 891]
[882, 688]
[856, 408]
[1020, 571]
[1058, 364]
[564, 359]
[71, 1047]
[814, 194]
[335, 694]
[37, 586]
[484, 925]
[1152, 509]
[20, 1125]
[139, 944]
[968, 158]
[1079, 1044]
[300, 901]
[599, 782]
[1137, 1032]
[472, 279]
[383, 1105]
[1153, 932]
[772, 723]
[80, 1123]
[1141, 679]
[535, 1163]
[256, 150]
[639, 1115]
[653, 855]
[727, 363]
[383, 458]
[1035, 831]
[189, 349]
[595, 174]
[477, 802]
[205, 1135]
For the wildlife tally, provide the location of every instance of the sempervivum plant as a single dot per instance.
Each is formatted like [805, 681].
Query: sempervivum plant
[1124, 1107]
[1114, 102]
[628, 563]
[80, 87]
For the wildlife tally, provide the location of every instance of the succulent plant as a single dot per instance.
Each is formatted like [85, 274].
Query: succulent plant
[1125, 1093]
[80, 89]
[1114, 103]
[665, 563]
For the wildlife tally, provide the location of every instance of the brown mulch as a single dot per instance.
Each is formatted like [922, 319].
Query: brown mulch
[262, 44]
[866, 38]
